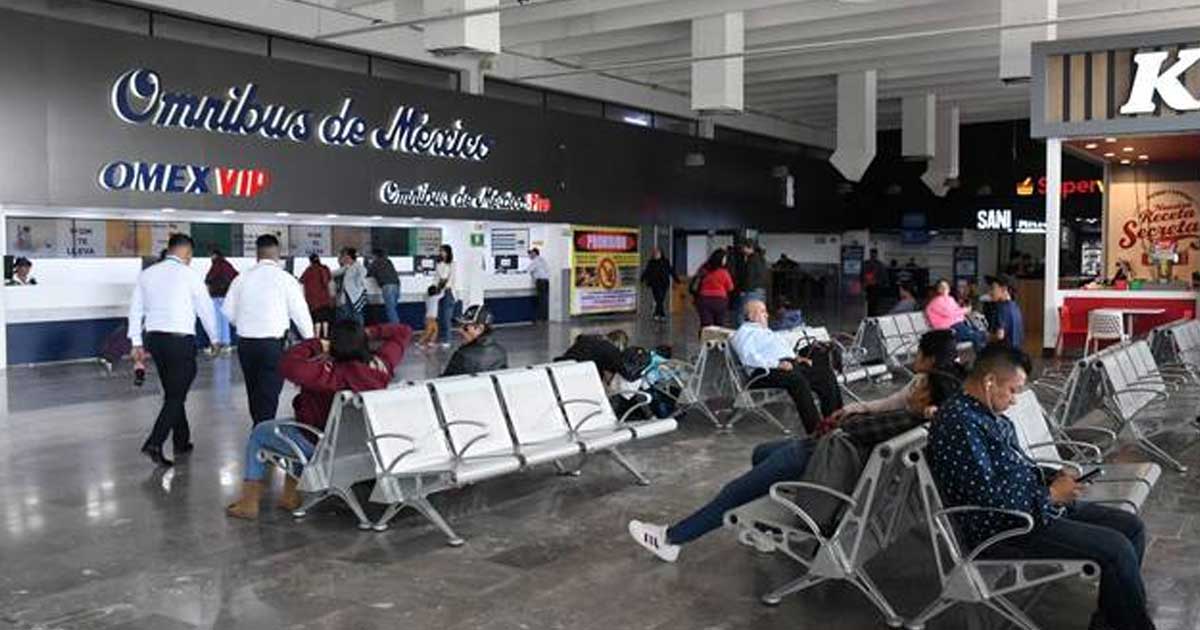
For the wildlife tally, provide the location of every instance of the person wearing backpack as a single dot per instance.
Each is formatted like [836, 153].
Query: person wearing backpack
[713, 285]
[821, 457]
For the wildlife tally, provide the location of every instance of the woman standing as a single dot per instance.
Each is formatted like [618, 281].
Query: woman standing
[316, 280]
[658, 275]
[714, 287]
[448, 305]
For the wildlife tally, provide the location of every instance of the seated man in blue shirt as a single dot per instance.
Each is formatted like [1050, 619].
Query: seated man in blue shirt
[1005, 322]
[975, 460]
[759, 348]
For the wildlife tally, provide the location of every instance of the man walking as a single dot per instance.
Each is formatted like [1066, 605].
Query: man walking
[261, 303]
[389, 283]
[167, 299]
[658, 275]
[751, 279]
[539, 270]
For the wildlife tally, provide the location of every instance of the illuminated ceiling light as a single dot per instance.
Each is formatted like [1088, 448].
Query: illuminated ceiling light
[331, 216]
[1090, 145]
[637, 120]
[1128, 149]
[1143, 157]
[168, 210]
[1125, 161]
[1110, 154]
[228, 211]
[1110, 140]
[378, 217]
[283, 214]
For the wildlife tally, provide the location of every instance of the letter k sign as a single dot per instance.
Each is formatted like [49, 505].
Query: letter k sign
[1148, 80]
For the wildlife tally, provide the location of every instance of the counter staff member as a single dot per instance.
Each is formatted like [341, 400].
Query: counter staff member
[261, 302]
[540, 272]
[167, 299]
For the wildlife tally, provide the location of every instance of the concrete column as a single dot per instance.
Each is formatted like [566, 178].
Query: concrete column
[918, 126]
[1015, 42]
[856, 92]
[1053, 236]
[717, 84]
[944, 165]
[471, 79]
[707, 128]
[478, 34]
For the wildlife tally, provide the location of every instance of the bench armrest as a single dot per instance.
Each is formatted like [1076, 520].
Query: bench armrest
[394, 436]
[943, 521]
[645, 402]
[798, 511]
[1093, 451]
[471, 442]
[597, 412]
[278, 425]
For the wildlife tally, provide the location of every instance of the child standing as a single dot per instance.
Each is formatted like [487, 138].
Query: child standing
[429, 334]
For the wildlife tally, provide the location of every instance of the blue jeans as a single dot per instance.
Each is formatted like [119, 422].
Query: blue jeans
[447, 307]
[222, 322]
[966, 332]
[263, 437]
[781, 460]
[391, 297]
[1113, 539]
[739, 317]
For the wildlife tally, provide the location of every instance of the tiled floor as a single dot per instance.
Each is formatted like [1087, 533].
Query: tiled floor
[91, 537]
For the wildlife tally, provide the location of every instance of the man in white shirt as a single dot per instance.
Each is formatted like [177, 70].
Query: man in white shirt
[261, 304]
[539, 270]
[759, 348]
[167, 299]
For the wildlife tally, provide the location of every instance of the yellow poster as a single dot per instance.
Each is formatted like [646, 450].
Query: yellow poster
[605, 264]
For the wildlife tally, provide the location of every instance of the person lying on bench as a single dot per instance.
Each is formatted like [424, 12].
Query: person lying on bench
[322, 368]
[759, 348]
[975, 460]
[787, 460]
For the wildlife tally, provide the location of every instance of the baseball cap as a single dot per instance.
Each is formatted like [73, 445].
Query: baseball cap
[477, 314]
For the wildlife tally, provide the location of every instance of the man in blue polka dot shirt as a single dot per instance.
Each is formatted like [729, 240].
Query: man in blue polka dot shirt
[975, 459]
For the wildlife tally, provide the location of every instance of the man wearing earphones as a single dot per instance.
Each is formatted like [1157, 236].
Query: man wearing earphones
[975, 459]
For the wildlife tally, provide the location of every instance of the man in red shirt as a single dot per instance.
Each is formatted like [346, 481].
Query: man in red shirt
[321, 368]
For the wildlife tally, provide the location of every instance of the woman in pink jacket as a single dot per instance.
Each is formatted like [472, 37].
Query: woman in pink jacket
[944, 313]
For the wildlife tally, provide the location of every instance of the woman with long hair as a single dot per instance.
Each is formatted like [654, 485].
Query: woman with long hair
[448, 305]
[714, 287]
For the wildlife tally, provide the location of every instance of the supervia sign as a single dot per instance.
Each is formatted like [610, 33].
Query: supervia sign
[141, 97]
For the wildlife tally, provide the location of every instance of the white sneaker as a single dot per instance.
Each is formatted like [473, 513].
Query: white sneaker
[654, 538]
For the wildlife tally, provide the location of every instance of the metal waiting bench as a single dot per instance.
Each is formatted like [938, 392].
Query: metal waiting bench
[1122, 485]
[447, 433]
[854, 370]
[966, 575]
[893, 339]
[1144, 400]
[868, 521]
[1177, 343]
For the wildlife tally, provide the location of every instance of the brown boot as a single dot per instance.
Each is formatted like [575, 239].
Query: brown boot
[290, 500]
[247, 505]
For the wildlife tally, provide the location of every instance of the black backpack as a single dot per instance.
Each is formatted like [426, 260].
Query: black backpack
[634, 361]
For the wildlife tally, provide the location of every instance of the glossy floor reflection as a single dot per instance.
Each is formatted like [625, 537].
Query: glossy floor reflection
[92, 538]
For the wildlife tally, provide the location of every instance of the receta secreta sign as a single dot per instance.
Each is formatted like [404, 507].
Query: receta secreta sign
[1151, 78]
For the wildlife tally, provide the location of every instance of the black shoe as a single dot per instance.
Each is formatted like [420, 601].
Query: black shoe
[156, 456]
[186, 449]
[139, 377]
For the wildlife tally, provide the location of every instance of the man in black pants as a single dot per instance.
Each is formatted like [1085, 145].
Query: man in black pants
[166, 301]
[759, 348]
[539, 270]
[658, 275]
[261, 303]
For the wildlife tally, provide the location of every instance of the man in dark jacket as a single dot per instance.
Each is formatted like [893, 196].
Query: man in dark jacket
[658, 275]
[479, 352]
[384, 272]
[751, 278]
[603, 350]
